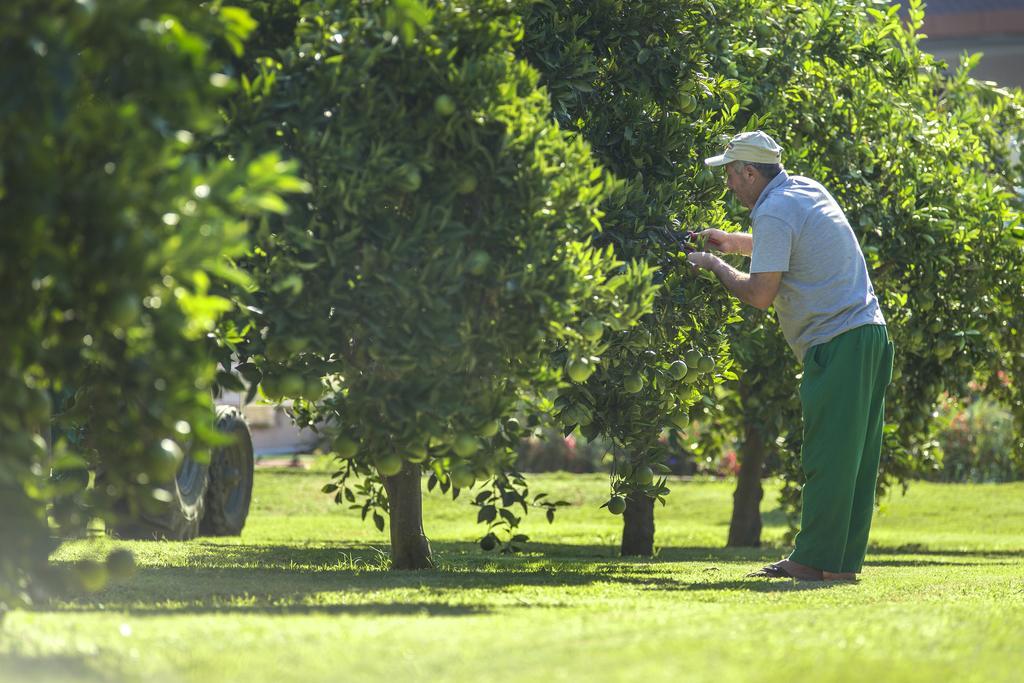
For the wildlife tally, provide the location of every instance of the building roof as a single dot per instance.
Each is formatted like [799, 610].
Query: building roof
[972, 18]
[970, 6]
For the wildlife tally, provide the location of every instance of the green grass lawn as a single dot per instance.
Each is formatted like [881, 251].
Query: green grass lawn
[301, 597]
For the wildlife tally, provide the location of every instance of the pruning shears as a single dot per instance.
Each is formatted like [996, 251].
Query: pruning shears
[688, 240]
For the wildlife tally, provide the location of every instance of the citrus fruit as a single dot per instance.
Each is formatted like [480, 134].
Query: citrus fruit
[616, 505]
[164, 460]
[270, 385]
[388, 464]
[466, 184]
[680, 419]
[417, 452]
[678, 369]
[462, 477]
[444, 105]
[687, 103]
[477, 262]
[633, 383]
[489, 429]
[644, 475]
[579, 370]
[345, 447]
[409, 178]
[576, 414]
[292, 384]
[593, 329]
[465, 445]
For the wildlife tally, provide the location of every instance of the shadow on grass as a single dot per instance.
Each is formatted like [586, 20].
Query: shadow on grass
[286, 579]
[292, 471]
[50, 668]
[776, 517]
[271, 605]
[283, 579]
[870, 562]
[156, 591]
[768, 585]
[916, 549]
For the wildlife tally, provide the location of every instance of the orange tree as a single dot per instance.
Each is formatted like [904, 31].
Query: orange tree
[913, 156]
[411, 301]
[114, 223]
[996, 116]
[637, 82]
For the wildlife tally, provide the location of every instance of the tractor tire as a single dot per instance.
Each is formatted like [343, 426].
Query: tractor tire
[176, 520]
[231, 472]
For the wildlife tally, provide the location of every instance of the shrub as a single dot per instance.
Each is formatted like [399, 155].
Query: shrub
[636, 81]
[976, 442]
[441, 270]
[114, 225]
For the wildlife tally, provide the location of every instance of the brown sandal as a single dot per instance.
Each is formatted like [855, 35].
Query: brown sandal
[776, 571]
[771, 572]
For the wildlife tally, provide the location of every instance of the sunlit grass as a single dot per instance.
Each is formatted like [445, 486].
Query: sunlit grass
[303, 596]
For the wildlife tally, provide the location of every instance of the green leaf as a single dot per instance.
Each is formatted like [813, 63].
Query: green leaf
[486, 514]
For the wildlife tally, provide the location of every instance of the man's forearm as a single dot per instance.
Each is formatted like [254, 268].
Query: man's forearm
[735, 281]
[742, 243]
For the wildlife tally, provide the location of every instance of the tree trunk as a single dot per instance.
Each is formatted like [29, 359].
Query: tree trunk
[410, 548]
[745, 527]
[638, 526]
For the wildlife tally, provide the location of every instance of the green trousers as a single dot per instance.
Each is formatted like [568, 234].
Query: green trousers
[843, 399]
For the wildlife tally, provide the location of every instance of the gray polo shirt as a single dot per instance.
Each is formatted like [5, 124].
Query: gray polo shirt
[799, 230]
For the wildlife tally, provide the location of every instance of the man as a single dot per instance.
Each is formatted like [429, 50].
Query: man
[805, 259]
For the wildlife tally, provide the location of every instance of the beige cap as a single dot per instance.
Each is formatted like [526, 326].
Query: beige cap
[756, 147]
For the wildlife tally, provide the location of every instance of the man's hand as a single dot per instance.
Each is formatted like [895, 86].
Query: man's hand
[757, 289]
[702, 259]
[717, 240]
[727, 242]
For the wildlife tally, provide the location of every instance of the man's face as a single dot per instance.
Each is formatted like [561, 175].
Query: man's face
[745, 183]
